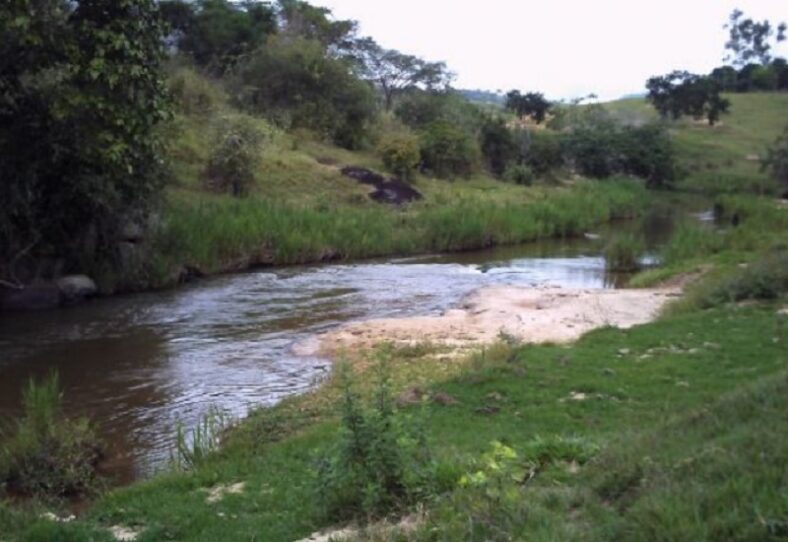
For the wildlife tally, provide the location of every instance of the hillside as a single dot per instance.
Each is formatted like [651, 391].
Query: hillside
[723, 158]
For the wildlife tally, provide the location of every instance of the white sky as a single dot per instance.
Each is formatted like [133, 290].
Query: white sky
[564, 48]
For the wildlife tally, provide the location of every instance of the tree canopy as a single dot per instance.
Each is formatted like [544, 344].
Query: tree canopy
[682, 93]
[532, 104]
[392, 71]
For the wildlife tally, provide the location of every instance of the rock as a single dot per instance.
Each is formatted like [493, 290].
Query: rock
[31, 298]
[488, 410]
[76, 287]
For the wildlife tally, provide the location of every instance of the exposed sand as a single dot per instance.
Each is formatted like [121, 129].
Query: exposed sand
[532, 315]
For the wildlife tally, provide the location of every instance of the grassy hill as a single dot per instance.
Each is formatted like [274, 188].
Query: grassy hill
[725, 157]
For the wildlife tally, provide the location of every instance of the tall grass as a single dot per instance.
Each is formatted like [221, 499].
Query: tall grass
[216, 234]
[623, 253]
[44, 454]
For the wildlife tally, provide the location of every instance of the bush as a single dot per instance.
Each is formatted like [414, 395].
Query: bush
[400, 153]
[45, 454]
[379, 464]
[766, 278]
[623, 253]
[544, 152]
[648, 153]
[447, 151]
[236, 156]
[194, 94]
[519, 174]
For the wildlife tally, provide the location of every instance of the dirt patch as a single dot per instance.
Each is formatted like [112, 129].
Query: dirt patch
[217, 493]
[393, 191]
[531, 315]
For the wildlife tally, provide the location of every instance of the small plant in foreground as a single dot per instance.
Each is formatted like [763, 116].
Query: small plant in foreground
[623, 253]
[381, 462]
[44, 454]
[192, 447]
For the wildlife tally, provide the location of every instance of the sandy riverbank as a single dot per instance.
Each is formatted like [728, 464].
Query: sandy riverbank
[532, 315]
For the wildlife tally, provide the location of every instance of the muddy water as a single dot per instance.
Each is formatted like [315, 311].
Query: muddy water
[139, 364]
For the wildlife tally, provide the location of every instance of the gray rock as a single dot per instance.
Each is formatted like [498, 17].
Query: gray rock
[31, 298]
[76, 287]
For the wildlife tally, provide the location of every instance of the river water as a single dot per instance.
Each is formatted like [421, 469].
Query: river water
[139, 364]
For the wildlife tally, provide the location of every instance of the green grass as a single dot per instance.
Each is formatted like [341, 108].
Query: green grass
[221, 233]
[652, 409]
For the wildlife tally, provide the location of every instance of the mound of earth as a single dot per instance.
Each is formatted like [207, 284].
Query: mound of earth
[393, 190]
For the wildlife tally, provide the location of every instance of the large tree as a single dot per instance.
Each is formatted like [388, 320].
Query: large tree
[682, 93]
[81, 94]
[750, 40]
[392, 71]
[532, 104]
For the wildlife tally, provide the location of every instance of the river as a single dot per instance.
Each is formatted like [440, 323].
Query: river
[139, 364]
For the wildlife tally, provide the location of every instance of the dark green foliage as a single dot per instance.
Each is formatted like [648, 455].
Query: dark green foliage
[776, 160]
[81, 95]
[298, 85]
[498, 145]
[194, 94]
[543, 152]
[519, 174]
[215, 33]
[380, 464]
[681, 93]
[236, 156]
[44, 454]
[648, 153]
[531, 104]
[599, 147]
[447, 151]
[400, 153]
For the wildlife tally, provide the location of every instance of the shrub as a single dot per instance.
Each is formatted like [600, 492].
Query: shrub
[623, 253]
[45, 454]
[648, 153]
[400, 153]
[519, 174]
[593, 148]
[380, 464]
[236, 156]
[194, 94]
[447, 151]
[766, 278]
[544, 152]
[776, 161]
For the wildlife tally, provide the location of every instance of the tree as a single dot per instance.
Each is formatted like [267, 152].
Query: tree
[750, 40]
[297, 84]
[498, 145]
[392, 71]
[217, 32]
[303, 20]
[81, 95]
[531, 104]
[682, 93]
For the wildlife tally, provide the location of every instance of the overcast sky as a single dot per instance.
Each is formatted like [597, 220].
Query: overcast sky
[564, 48]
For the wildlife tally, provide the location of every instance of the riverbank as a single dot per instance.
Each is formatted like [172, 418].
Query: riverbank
[527, 315]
